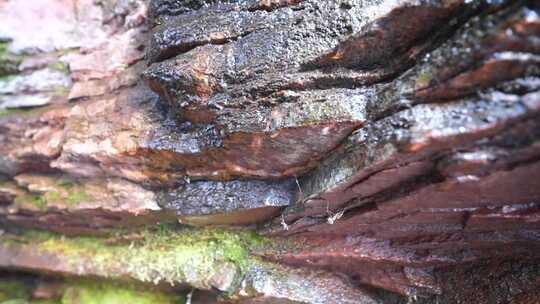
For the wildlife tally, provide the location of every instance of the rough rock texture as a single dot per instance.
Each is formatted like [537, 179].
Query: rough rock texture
[388, 151]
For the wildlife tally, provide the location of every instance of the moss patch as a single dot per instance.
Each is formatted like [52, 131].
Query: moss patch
[59, 66]
[8, 62]
[12, 290]
[62, 192]
[7, 112]
[70, 193]
[13, 112]
[39, 201]
[89, 292]
[76, 194]
[61, 90]
[423, 80]
[80, 291]
[36, 200]
[201, 258]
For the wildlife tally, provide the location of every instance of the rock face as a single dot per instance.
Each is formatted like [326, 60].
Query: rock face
[388, 151]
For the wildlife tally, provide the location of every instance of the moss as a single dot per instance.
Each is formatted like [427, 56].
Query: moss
[12, 112]
[53, 196]
[19, 291]
[59, 66]
[423, 79]
[73, 193]
[5, 112]
[37, 200]
[3, 47]
[66, 193]
[8, 62]
[15, 301]
[61, 90]
[90, 292]
[77, 196]
[66, 51]
[187, 255]
[23, 301]
[13, 290]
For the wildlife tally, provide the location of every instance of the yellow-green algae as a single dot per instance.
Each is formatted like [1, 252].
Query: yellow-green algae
[193, 256]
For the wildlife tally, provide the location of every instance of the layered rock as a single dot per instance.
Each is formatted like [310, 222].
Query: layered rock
[205, 259]
[388, 150]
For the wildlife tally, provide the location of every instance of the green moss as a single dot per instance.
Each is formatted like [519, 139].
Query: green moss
[89, 292]
[59, 66]
[3, 47]
[187, 255]
[61, 90]
[23, 301]
[8, 62]
[423, 79]
[14, 290]
[63, 52]
[48, 301]
[11, 290]
[75, 193]
[53, 196]
[5, 112]
[12, 112]
[15, 301]
[39, 201]
[19, 291]
[36, 200]
[66, 193]
[77, 196]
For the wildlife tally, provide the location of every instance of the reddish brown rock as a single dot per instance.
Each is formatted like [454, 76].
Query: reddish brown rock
[389, 150]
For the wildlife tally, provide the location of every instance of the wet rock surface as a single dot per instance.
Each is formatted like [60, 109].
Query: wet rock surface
[388, 151]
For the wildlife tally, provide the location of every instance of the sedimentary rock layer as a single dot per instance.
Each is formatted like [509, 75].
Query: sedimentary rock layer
[387, 149]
